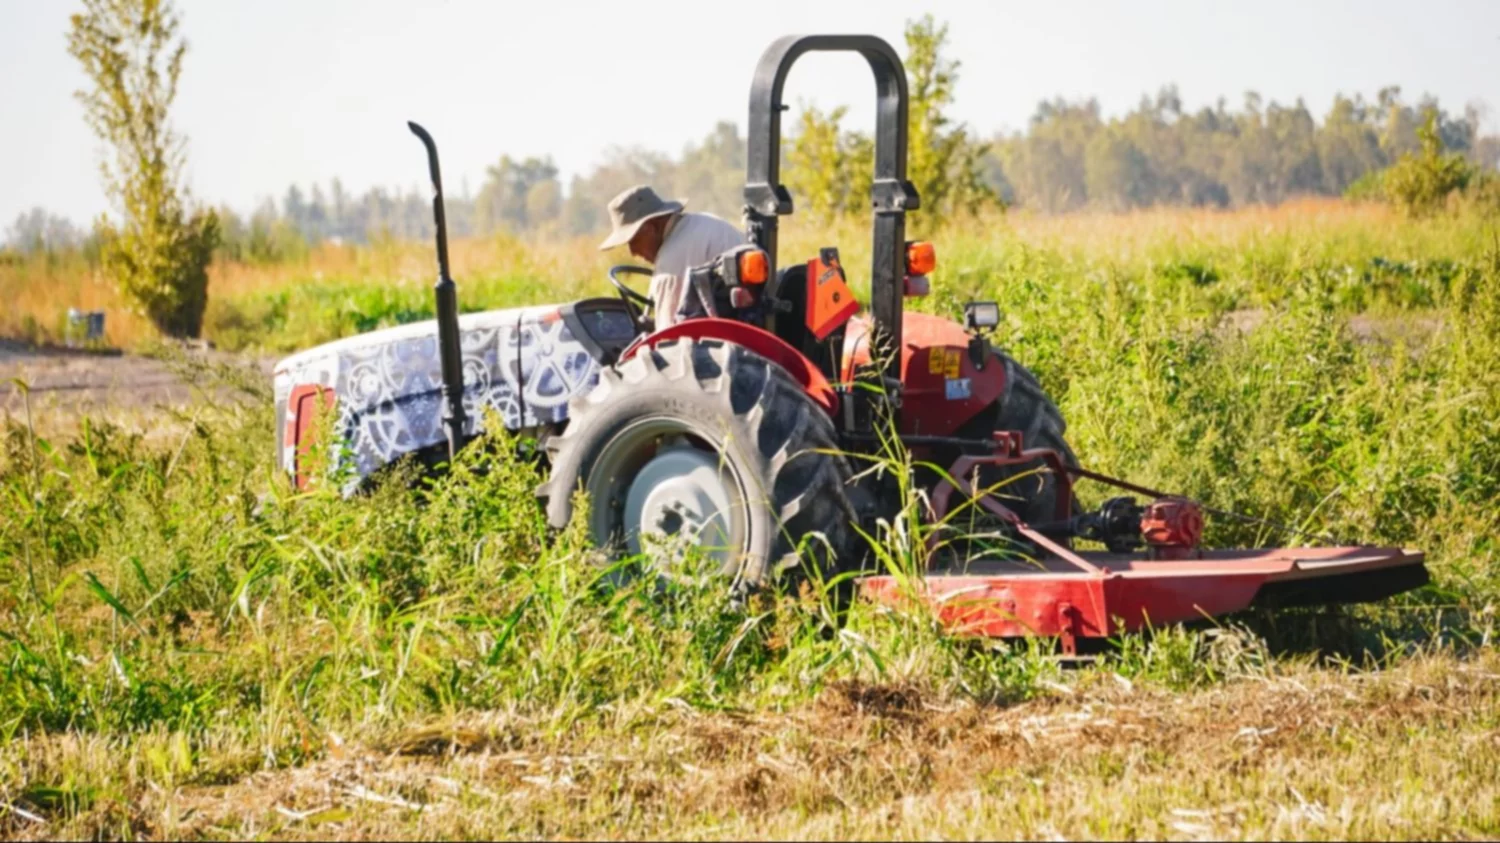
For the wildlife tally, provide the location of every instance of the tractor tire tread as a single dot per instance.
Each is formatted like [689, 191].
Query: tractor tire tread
[1026, 406]
[807, 500]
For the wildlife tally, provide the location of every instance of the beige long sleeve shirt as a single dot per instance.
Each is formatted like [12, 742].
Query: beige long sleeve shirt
[692, 239]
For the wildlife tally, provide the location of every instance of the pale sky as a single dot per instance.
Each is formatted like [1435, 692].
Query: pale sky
[282, 91]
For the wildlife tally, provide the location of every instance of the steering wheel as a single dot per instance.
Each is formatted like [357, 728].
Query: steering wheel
[634, 301]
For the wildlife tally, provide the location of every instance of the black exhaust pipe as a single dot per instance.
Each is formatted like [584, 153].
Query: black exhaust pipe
[449, 353]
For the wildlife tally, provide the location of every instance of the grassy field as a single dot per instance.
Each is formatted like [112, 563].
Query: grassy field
[190, 649]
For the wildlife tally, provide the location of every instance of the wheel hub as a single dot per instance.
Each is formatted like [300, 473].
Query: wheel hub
[681, 492]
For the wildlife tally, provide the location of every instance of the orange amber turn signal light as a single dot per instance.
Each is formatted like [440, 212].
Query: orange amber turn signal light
[921, 258]
[753, 267]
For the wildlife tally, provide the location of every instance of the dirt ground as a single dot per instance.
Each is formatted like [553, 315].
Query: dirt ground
[65, 383]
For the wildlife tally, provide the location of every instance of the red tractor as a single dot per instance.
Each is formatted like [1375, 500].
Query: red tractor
[741, 431]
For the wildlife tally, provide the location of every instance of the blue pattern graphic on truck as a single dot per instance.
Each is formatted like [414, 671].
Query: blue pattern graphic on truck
[525, 364]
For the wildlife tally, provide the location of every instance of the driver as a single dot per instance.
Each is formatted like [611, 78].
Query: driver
[671, 239]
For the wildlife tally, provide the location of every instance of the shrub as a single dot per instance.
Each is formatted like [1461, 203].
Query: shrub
[1421, 183]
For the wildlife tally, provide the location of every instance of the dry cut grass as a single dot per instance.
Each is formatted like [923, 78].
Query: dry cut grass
[1409, 753]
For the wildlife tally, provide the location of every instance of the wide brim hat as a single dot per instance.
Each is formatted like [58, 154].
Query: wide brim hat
[631, 209]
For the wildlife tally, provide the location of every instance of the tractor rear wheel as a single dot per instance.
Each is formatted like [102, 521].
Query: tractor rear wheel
[712, 444]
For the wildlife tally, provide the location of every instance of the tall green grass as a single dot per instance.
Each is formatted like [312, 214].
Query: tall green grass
[189, 586]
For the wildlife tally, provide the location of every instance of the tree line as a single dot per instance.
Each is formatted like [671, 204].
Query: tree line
[1070, 156]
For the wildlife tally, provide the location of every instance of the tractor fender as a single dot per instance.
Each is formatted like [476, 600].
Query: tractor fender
[758, 340]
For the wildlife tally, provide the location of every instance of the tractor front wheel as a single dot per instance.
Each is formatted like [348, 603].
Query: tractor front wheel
[708, 444]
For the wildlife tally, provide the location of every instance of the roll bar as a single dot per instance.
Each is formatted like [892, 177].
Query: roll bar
[891, 196]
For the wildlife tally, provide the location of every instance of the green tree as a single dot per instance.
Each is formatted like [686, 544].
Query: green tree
[1295, 165]
[1348, 146]
[830, 170]
[944, 163]
[711, 174]
[543, 202]
[159, 254]
[583, 210]
[1116, 173]
[504, 200]
[1046, 164]
[1420, 183]
[820, 166]
[39, 231]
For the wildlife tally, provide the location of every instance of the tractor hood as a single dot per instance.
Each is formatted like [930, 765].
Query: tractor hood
[427, 329]
[404, 335]
[385, 387]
